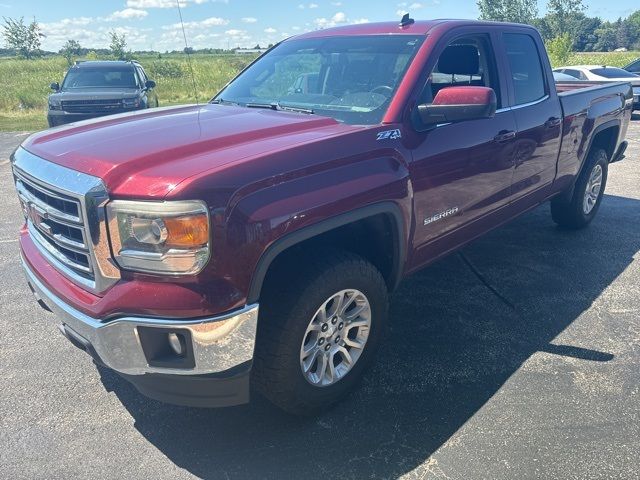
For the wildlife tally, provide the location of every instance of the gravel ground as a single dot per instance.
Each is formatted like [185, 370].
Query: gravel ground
[539, 382]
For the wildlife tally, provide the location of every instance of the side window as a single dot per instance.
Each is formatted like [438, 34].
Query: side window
[575, 73]
[143, 77]
[526, 69]
[465, 61]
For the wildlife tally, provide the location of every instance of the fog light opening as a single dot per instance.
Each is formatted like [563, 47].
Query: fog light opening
[177, 343]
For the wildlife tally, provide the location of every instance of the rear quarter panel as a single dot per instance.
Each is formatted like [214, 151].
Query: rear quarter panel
[586, 112]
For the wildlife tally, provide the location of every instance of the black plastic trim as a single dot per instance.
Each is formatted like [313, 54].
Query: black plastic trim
[305, 233]
[225, 389]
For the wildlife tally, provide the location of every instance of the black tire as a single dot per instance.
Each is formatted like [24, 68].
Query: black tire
[570, 213]
[292, 297]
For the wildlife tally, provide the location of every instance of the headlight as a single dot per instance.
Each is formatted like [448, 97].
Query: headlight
[159, 237]
[131, 102]
[55, 105]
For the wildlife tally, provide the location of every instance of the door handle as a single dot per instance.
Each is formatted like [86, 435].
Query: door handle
[504, 136]
[552, 122]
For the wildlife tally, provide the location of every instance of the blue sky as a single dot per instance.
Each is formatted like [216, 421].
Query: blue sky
[154, 24]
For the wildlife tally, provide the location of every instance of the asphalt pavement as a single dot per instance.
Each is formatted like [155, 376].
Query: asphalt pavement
[517, 358]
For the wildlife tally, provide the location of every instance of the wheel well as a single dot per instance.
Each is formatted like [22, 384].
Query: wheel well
[606, 139]
[374, 238]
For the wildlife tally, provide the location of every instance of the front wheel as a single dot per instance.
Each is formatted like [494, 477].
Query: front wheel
[318, 331]
[581, 209]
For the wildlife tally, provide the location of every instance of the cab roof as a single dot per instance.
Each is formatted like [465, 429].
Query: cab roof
[419, 27]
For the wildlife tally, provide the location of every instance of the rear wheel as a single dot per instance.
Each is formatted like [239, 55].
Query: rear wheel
[580, 210]
[319, 330]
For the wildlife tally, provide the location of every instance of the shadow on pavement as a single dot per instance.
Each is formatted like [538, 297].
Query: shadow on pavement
[452, 345]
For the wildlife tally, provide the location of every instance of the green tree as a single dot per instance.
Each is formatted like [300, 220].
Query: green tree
[583, 30]
[118, 46]
[71, 50]
[624, 35]
[22, 38]
[607, 38]
[559, 49]
[519, 11]
[634, 24]
[560, 13]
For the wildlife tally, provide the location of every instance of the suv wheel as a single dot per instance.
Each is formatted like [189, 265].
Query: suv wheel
[587, 194]
[317, 335]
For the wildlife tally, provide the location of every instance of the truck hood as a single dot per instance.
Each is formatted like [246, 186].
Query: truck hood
[147, 154]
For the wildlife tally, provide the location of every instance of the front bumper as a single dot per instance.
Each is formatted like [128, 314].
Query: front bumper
[217, 350]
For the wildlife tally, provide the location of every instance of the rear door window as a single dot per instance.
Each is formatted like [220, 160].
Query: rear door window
[526, 70]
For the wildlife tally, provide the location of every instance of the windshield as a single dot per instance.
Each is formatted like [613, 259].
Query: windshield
[351, 79]
[112, 77]
[612, 72]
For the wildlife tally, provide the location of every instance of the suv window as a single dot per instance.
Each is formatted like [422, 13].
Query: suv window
[526, 69]
[465, 61]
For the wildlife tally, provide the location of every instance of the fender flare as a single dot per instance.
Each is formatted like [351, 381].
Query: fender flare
[305, 233]
[600, 128]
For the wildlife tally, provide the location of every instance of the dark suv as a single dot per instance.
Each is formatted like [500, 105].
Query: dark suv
[96, 88]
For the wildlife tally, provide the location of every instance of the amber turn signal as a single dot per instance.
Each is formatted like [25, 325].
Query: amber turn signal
[188, 231]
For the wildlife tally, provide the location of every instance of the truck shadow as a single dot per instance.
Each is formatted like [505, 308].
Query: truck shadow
[453, 343]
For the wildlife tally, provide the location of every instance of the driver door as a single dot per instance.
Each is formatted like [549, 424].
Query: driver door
[461, 171]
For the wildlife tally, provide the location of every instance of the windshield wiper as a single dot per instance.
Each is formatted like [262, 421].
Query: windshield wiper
[277, 106]
[222, 101]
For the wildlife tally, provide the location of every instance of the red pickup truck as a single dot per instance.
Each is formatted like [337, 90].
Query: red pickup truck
[336, 164]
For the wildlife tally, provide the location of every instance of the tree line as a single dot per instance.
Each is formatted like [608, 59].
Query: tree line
[25, 39]
[565, 27]
[567, 18]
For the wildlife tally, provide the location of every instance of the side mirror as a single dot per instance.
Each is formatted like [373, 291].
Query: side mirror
[455, 104]
[55, 86]
[150, 84]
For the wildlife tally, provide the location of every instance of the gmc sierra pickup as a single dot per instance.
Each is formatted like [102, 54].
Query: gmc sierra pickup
[198, 250]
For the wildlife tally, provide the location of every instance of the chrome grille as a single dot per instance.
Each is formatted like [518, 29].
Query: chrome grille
[64, 211]
[55, 222]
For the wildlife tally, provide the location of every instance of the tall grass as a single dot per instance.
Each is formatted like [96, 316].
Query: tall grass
[615, 59]
[25, 83]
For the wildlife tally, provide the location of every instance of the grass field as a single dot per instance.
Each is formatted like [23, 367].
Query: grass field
[23, 97]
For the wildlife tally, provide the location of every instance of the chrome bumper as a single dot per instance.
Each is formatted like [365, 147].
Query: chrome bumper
[218, 343]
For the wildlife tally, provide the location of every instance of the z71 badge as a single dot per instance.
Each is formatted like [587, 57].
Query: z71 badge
[389, 135]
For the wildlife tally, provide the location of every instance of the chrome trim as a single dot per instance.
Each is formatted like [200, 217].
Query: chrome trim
[59, 264]
[523, 105]
[91, 196]
[219, 343]
[48, 209]
[56, 256]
